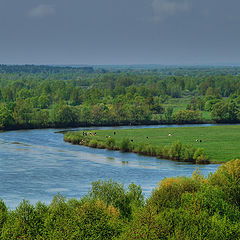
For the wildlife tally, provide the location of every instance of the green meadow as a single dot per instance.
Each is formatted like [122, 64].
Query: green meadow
[221, 143]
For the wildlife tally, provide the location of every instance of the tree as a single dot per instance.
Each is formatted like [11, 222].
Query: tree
[113, 193]
[43, 101]
[225, 111]
[6, 117]
[23, 223]
[75, 97]
[63, 114]
[99, 113]
[23, 111]
[168, 113]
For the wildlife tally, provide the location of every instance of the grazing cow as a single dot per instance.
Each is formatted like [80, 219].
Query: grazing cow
[147, 137]
[200, 140]
[169, 134]
[196, 140]
[114, 133]
[131, 140]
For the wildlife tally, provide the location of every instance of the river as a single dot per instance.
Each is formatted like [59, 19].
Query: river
[37, 164]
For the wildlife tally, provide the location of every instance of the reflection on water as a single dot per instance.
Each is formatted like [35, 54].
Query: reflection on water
[37, 164]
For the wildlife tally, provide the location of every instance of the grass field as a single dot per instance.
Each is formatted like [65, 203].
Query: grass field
[221, 143]
[181, 104]
[177, 103]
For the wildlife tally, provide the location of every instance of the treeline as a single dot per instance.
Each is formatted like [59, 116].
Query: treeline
[46, 96]
[177, 151]
[179, 208]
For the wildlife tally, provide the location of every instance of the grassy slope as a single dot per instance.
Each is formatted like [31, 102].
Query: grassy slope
[221, 143]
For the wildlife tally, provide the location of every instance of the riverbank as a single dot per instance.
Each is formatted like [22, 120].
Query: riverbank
[113, 124]
[107, 124]
[215, 144]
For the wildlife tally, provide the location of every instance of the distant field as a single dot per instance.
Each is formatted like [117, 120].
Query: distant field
[181, 104]
[178, 103]
[221, 143]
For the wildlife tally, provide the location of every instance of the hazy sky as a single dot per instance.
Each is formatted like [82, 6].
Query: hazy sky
[119, 31]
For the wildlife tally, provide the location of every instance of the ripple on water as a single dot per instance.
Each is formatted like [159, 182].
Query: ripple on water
[37, 164]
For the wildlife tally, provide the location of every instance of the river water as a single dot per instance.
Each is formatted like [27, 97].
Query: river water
[37, 164]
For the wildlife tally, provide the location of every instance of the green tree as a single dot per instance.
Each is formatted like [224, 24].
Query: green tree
[23, 111]
[63, 114]
[168, 113]
[113, 193]
[43, 101]
[6, 117]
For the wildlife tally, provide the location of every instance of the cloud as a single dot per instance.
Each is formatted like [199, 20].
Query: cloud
[42, 10]
[165, 8]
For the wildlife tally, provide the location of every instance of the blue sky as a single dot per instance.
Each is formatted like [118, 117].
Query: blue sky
[119, 32]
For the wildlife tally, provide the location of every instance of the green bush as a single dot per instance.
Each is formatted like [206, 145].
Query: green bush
[93, 143]
[175, 151]
[200, 156]
[110, 143]
[113, 193]
[22, 223]
[140, 148]
[227, 177]
[165, 152]
[74, 138]
[95, 220]
[170, 190]
[151, 150]
[188, 153]
[3, 213]
[125, 145]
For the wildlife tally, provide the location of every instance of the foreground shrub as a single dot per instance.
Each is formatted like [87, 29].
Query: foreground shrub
[22, 223]
[187, 208]
[59, 222]
[170, 190]
[227, 177]
[3, 213]
[96, 220]
[113, 193]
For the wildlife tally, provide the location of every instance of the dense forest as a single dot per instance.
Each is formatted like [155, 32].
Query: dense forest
[179, 208]
[62, 96]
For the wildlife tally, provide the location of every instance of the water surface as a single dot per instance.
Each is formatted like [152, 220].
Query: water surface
[37, 164]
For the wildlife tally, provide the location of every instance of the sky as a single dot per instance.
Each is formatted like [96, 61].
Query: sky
[168, 32]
